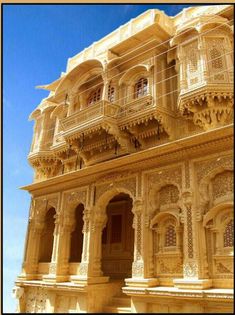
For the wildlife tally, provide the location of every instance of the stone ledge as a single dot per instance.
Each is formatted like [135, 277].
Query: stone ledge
[197, 284]
[172, 292]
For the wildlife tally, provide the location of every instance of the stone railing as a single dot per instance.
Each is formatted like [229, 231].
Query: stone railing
[89, 114]
[138, 105]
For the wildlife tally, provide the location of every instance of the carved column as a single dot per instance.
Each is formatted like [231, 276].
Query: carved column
[43, 136]
[86, 237]
[90, 268]
[182, 69]
[58, 270]
[83, 269]
[129, 93]
[34, 231]
[192, 261]
[30, 265]
[140, 266]
[98, 225]
[71, 105]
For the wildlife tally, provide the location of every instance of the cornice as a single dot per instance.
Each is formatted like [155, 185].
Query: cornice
[206, 143]
[219, 294]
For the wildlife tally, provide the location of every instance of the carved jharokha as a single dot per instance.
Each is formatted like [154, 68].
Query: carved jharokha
[133, 187]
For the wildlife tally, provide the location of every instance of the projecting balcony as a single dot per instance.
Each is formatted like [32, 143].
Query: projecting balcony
[89, 118]
[137, 110]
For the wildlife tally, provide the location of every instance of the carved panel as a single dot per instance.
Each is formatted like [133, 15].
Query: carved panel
[223, 267]
[169, 265]
[203, 168]
[187, 175]
[228, 234]
[168, 194]
[190, 269]
[222, 184]
[129, 184]
[77, 196]
[173, 175]
[190, 232]
[137, 269]
[170, 236]
[36, 300]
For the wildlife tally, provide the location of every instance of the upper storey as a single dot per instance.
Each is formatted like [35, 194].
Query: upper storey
[153, 80]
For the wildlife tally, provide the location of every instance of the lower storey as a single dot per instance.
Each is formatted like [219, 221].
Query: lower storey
[115, 297]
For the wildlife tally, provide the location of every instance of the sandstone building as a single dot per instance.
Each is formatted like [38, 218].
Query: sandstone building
[133, 192]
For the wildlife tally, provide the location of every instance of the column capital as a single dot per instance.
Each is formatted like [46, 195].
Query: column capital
[187, 198]
[137, 208]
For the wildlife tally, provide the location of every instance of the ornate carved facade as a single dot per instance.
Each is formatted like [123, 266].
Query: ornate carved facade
[133, 192]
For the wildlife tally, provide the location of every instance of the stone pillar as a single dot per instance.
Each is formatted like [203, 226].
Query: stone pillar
[182, 69]
[105, 90]
[140, 266]
[30, 264]
[129, 93]
[71, 105]
[43, 136]
[90, 268]
[148, 251]
[192, 261]
[203, 64]
[59, 265]
[83, 269]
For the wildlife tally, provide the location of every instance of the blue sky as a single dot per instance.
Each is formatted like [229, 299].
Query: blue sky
[37, 41]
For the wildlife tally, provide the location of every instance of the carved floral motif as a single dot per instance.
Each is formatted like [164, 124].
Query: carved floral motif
[222, 184]
[203, 168]
[36, 300]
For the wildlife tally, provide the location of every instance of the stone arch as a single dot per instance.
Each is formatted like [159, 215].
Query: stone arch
[219, 242]
[112, 227]
[212, 213]
[205, 182]
[86, 76]
[47, 236]
[104, 199]
[80, 69]
[41, 206]
[76, 238]
[160, 217]
[135, 72]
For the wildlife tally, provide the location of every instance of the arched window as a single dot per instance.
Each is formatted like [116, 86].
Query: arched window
[228, 234]
[47, 237]
[141, 87]
[111, 91]
[170, 236]
[95, 96]
[77, 236]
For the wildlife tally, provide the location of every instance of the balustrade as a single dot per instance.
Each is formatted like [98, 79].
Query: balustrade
[88, 115]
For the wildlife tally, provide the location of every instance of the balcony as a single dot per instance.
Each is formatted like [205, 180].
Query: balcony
[89, 117]
[137, 110]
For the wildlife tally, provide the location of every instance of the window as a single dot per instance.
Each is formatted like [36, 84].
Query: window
[76, 241]
[95, 96]
[193, 61]
[170, 236]
[47, 237]
[228, 234]
[216, 60]
[116, 231]
[141, 87]
[111, 91]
